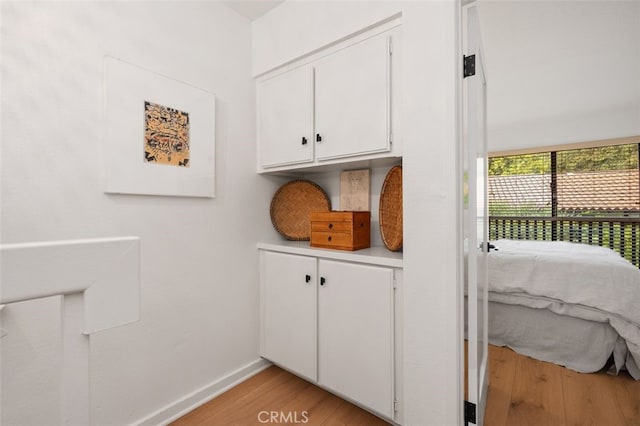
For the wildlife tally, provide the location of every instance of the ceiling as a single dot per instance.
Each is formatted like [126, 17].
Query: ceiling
[560, 71]
[252, 9]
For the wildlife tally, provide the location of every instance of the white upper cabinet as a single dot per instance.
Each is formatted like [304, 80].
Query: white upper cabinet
[352, 100]
[285, 118]
[338, 105]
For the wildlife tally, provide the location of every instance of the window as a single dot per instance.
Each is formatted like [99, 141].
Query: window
[520, 185]
[598, 182]
[588, 195]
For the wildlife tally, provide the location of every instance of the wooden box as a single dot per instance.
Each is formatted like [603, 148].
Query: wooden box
[341, 230]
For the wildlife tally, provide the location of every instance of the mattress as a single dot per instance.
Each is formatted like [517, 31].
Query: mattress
[566, 303]
[544, 335]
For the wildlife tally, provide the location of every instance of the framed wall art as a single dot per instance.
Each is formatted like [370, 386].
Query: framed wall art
[159, 134]
[354, 190]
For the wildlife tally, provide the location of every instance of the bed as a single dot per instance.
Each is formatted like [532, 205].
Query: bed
[571, 304]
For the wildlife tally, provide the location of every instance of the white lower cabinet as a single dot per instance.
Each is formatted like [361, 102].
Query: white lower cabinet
[333, 323]
[288, 297]
[355, 333]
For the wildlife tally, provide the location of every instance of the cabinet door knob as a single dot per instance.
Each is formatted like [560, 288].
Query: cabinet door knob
[307, 278]
[318, 137]
[322, 281]
[304, 140]
[328, 238]
[330, 225]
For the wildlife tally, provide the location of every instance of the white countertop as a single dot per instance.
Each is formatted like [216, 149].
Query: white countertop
[378, 255]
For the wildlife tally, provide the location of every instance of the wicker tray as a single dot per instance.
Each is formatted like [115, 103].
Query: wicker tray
[391, 209]
[291, 205]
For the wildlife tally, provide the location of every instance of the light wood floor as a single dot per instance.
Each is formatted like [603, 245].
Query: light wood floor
[277, 390]
[522, 391]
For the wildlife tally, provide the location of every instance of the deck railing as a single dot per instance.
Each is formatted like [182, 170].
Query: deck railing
[619, 234]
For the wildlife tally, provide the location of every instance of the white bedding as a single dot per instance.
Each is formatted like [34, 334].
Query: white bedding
[577, 344]
[586, 282]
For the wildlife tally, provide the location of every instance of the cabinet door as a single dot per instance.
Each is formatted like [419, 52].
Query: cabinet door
[285, 118]
[353, 100]
[288, 297]
[355, 333]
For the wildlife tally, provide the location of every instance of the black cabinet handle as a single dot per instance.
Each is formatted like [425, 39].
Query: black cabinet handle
[318, 137]
[330, 225]
[307, 278]
[328, 238]
[322, 281]
[304, 140]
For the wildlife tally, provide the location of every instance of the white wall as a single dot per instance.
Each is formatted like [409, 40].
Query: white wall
[428, 73]
[561, 71]
[199, 272]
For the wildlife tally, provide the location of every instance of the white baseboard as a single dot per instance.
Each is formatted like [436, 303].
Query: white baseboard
[205, 394]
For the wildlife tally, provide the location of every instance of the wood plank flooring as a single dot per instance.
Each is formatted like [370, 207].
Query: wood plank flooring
[292, 399]
[525, 391]
[522, 391]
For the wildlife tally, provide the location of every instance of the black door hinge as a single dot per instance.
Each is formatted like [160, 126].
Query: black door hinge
[469, 412]
[469, 65]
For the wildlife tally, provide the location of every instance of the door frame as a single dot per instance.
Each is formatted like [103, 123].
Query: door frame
[464, 7]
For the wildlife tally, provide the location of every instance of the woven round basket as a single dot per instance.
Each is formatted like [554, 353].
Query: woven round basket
[291, 205]
[391, 209]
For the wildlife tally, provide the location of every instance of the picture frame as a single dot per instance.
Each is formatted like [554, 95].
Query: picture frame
[355, 193]
[159, 134]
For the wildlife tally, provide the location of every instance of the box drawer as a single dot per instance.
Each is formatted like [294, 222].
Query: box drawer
[332, 227]
[341, 230]
[339, 240]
